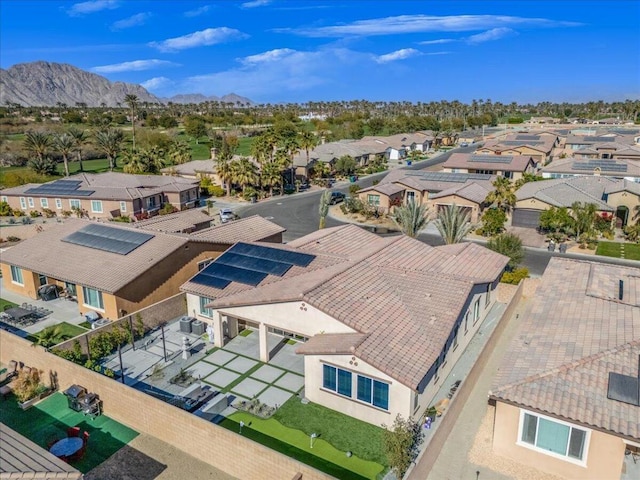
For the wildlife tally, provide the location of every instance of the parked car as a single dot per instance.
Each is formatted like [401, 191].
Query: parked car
[336, 197]
[464, 144]
[226, 214]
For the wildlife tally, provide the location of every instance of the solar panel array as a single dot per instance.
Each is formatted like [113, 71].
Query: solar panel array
[528, 137]
[249, 265]
[60, 188]
[624, 388]
[599, 139]
[491, 158]
[449, 176]
[523, 142]
[108, 239]
[606, 165]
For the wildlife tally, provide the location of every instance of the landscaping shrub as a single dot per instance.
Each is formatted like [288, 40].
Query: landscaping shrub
[401, 444]
[493, 220]
[514, 277]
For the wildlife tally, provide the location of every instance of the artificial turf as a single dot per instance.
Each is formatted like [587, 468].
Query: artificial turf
[4, 304]
[64, 331]
[50, 419]
[612, 249]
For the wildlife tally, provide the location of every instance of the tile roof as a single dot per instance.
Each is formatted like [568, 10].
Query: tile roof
[624, 186]
[175, 222]
[250, 229]
[566, 165]
[332, 344]
[574, 333]
[432, 181]
[562, 192]
[474, 191]
[192, 168]
[384, 188]
[377, 286]
[515, 163]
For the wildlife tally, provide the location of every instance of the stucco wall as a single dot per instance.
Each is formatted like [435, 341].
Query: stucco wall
[604, 458]
[627, 199]
[533, 204]
[459, 201]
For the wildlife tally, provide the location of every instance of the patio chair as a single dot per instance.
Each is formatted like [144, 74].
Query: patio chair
[85, 438]
[73, 432]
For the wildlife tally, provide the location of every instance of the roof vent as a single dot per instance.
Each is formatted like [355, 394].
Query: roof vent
[625, 388]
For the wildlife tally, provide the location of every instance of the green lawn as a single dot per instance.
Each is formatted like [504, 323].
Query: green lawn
[296, 444]
[6, 303]
[612, 249]
[64, 331]
[50, 419]
[244, 146]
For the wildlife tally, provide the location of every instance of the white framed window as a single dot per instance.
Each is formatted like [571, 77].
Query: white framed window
[553, 437]
[476, 311]
[16, 275]
[202, 265]
[96, 206]
[23, 203]
[373, 392]
[31, 203]
[123, 206]
[4, 199]
[373, 200]
[92, 298]
[58, 203]
[44, 202]
[411, 196]
[204, 311]
[74, 203]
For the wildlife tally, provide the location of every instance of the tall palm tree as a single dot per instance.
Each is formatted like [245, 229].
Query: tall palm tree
[109, 141]
[132, 100]
[307, 142]
[584, 215]
[64, 145]
[37, 143]
[133, 163]
[411, 218]
[79, 139]
[225, 172]
[453, 223]
[323, 208]
[245, 173]
[270, 176]
[502, 196]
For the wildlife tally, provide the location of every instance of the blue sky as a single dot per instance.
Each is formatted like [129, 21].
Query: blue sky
[297, 51]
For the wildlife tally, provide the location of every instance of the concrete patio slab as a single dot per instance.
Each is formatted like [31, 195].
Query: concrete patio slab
[135, 365]
[267, 373]
[288, 359]
[249, 388]
[157, 349]
[241, 364]
[220, 357]
[291, 382]
[201, 369]
[221, 377]
[274, 396]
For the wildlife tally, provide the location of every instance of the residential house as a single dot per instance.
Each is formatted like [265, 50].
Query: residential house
[566, 393]
[115, 268]
[195, 170]
[375, 318]
[571, 167]
[104, 195]
[508, 166]
[539, 147]
[186, 221]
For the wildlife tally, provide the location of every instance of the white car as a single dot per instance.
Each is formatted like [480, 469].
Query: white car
[226, 214]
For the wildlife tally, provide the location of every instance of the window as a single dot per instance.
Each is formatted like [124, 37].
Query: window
[344, 383]
[373, 200]
[487, 299]
[455, 337]
[74, 203]
[16, 275]
[44, 203]
[23, 203]
[96, 206]
[337, 380]
[329, 377]
[374, 392]
[123, 206]
[204, 263]
[92, 298]
[4, 199]
[476, 311]
[207, 312]
[411, 197]
[30, 200]
[58, 203]
[553, 436]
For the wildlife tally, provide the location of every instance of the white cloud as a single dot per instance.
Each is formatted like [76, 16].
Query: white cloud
[92, 6]
[210, 36]
[134, 66]
[270, 56]
[404, 24]
[197, 11]
[156, 83]
[437, 42]
[398, 55]
[491, 35]
[256, 3]
[132, 21]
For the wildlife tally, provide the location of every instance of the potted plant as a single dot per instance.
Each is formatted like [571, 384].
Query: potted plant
[29, 388]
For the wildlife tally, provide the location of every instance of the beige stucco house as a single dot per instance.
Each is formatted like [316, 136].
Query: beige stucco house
[561, 402]
[505, 164]
[375, 317]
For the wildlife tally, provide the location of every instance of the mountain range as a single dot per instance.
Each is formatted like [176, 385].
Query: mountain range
[48, 84]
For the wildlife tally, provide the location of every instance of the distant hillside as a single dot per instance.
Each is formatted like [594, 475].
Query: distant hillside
[46, 84]
[199, 98]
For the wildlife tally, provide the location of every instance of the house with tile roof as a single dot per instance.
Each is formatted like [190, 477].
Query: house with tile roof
[566, 394]
[539, 147]
[375, 317]
[114, 268]
[104, 195]
[502, 164]
[573, 166]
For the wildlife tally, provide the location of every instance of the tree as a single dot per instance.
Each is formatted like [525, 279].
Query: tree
[321, 169]
[37, 143]
[79, 140]
[307, 142]
[64, 144]
[42, 165]
[493, 220]
[225, 172]
[411, 218]
[401, 443]
[345, 165]
[584, 215]
[270, 176]
[132, 100]
[526, 178]
[245, 173]
[109, 141]
[502, 196]
[195, 127]
[376, 125]
[510, 246]
[453, 223]
[556, 220]
[323, 208]
[632, 232]
[180, 153]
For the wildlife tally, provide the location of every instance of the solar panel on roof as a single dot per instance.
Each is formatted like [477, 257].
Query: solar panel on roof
[108, 239]
[209, 281]
[599, 139]
[606, 165]
[527, 137]
[624, 388]
[62, 188]
[254, 263]
[235, 274]
[523, 143]
[285, 256]
[491, 158]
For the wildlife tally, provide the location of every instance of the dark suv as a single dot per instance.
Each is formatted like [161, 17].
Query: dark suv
[336, 197]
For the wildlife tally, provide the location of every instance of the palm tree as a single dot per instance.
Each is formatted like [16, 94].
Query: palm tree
[509, 245]
[109, 141]
[245, 173]
[79, 139]
[180, 153]
[37, 143]
[132, 101]
[453, 223]
[502, 196]
[584, 215]
[225, 172]
[636, 215]
[411, 218]
[307, 142]
[154, 158]
[271, 176]
[133, 163]
[64, 144]
[323, 209]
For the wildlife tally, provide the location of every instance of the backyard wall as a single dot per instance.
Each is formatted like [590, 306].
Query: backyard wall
[221, 448]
